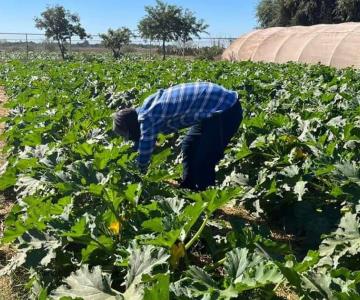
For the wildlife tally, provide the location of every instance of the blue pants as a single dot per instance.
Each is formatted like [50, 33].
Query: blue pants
[204, 145]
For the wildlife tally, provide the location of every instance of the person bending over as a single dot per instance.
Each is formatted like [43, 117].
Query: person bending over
[212, 112]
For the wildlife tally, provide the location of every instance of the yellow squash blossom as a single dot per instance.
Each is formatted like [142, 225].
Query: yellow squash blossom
[115, 227]
[177, 251]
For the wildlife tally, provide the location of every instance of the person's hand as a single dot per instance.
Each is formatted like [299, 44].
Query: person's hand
[143, 169]
[173, 183]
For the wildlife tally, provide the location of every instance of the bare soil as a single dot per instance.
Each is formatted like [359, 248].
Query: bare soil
[3, 112]
[5, 204]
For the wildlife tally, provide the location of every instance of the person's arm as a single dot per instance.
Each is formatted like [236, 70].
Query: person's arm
[146, 144]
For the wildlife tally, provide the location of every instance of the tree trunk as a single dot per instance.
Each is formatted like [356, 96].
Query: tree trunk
[114, 53]
[62, 51]
[163, 49]
[150, 49]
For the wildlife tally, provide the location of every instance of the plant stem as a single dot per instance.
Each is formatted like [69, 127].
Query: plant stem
[197, 234]
[263, 251]
[277, 286]
[316, 186]
[215, 265]
[313, 282]
[263, 154]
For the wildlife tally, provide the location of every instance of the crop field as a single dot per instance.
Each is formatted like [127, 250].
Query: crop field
[282, 222]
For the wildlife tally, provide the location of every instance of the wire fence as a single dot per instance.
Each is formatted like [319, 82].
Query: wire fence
[29, 43]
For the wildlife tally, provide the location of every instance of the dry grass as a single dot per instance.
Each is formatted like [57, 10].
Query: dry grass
[286, 293]
[12, 287]
[5, 208]
[6, 292]
[240, 212]
[3, 97]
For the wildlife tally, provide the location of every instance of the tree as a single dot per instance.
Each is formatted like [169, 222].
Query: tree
[348, 10]
[116, 39]
[272, 13]
[268, 13]
[60, 25]
[162, 22]
[312, 12]
[189, 27]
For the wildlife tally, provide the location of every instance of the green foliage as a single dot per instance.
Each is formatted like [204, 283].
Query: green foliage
[243, 271]
[189, 27]
[348, 10]
[86, 285]
[116, 39]
[165, 22]
[88, 223]
[268, 13]
[344, 242]
[161, 23]
[60, 25]
[271, 13]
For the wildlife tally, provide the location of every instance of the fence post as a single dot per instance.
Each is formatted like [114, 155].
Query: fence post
[27, 46]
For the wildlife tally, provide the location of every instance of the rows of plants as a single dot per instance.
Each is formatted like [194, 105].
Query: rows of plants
[86, 223]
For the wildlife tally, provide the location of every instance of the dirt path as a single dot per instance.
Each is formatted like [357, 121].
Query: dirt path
[5, 205]
[6, 282]
[3, 111]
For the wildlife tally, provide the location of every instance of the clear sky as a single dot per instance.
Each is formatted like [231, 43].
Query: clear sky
[226, 18]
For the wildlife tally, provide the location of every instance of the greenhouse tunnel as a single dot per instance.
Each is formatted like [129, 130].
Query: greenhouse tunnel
[334, 45]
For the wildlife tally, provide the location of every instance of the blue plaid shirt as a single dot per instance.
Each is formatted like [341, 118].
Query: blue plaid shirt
[178, 107]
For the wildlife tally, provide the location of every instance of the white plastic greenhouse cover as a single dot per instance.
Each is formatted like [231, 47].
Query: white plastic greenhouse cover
[334, 45]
